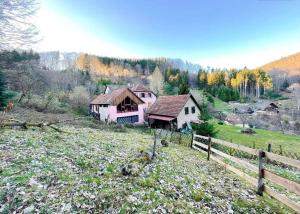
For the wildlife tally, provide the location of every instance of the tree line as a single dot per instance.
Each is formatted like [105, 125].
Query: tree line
[233, 84]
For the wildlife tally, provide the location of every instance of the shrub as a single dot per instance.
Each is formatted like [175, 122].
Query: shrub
[204, 115]
[80, 100]
[5, 95]
[205, 129]
[224, 93]
[210, 99]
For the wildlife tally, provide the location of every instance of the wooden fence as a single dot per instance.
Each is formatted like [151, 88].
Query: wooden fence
[175, 137]
[206, 144]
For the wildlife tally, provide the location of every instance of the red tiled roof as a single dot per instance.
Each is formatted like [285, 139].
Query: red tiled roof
[108, 98]
[111, 98]
[140, 87]
[169, 105]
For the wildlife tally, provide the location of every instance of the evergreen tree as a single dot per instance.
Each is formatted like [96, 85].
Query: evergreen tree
[184, 84]
[184, 88]
[3, 92]
[205, 128]
[202, 79]
[169, 89]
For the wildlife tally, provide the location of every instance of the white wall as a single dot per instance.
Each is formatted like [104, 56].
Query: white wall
[147, 99]
[183, 118]
[103, 111]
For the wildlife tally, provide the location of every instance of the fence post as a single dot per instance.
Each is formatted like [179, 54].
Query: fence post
[180, 137]
[208, 148]
[269, 147]
[269, 150]
[154, 146]
[192, 140]
[260, 186]
[280, 150]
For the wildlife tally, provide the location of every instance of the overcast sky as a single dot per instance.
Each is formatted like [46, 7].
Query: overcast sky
[218, 33]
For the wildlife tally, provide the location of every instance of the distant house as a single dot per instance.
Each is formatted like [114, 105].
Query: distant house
[120, 105]
[145, 94]
[173, 112]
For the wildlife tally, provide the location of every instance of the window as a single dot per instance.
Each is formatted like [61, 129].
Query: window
[127, 105]
[143, 95]
[186, 110]
[97, 108]
[150, 95]
[129, 119]
[193, 110]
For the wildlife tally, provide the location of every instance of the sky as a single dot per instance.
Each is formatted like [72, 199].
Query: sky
[215, 33]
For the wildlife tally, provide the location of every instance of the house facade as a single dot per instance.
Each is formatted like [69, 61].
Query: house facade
[173, 112]
[120, 106]
[145, 94]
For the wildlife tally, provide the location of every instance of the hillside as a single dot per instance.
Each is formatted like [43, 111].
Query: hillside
[49, 172]
[289, 64]
[110, 66]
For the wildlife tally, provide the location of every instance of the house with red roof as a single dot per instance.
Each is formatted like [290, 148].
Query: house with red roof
[173, 112]
[121, 106]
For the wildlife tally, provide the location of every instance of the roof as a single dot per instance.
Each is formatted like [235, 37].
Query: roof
[114, 87]
[116, 96]
[169, 105]
[141, 88]
[158, 117]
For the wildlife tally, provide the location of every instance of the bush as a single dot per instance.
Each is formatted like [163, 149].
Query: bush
[224, 93]
[5, 94]
[170, 89]
[210, 99]
[42, 104]
[204, 115]
[205, 129]
[221, 123]
[80, 100]
[273, 95]
[104, 82]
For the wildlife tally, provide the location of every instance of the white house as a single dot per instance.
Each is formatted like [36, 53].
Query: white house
[173, 112]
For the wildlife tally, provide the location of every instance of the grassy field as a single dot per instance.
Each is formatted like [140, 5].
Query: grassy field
[220, 105]
[78, 171]
[289, 143]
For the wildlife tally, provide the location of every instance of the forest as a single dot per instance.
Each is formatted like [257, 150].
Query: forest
[25, 74]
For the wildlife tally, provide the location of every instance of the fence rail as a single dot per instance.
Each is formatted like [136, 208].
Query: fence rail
[175, 137]
[204, 144]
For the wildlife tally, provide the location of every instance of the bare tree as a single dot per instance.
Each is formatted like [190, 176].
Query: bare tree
[16, 27]
[27, 77]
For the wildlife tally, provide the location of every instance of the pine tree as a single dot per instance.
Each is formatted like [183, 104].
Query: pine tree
[3, 94]
[184, 84]
[184, 88]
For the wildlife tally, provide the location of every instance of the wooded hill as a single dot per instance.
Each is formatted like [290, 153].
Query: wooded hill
[109, 66]
[289, 64]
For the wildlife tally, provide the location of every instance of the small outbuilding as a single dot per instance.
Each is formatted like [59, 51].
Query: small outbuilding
[173, 112]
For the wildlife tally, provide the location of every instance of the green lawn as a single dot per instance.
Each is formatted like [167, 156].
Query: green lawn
[289, 143]
[220, 105]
